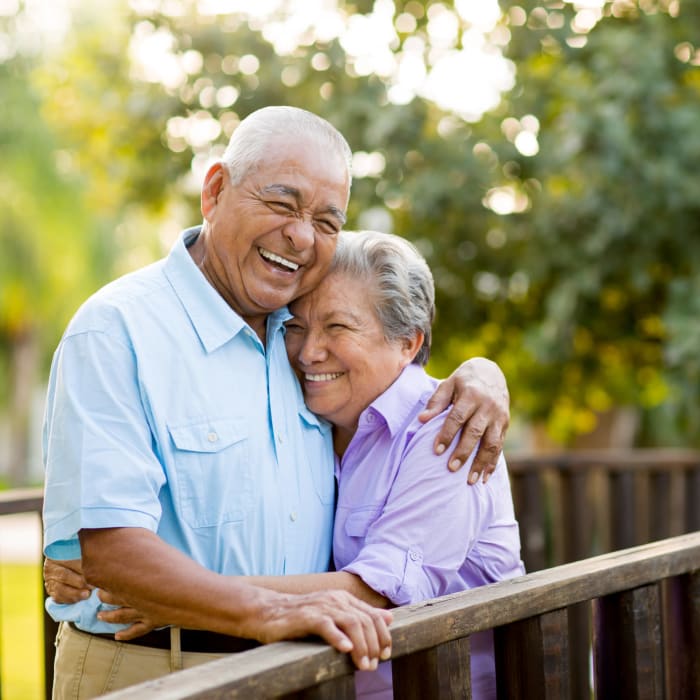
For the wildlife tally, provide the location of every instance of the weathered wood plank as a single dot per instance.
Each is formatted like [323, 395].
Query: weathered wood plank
[627, 645]
[682, 634]
[659, 505]
[342, 688]
[692, 500]
[528, 503]
[269, 671]
[623, 517]
[579, 651]
[21, 501]
[532, 657]
[442, 673]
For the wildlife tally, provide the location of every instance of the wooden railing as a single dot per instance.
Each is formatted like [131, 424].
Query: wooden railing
[574, 505]
[570, 506]
[644, 602]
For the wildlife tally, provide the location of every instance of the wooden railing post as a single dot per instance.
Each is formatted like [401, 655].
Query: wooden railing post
[682, 636]
[532, 657]
[440, 673]
[627, 644]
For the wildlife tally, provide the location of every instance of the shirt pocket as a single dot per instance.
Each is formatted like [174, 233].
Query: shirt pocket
[358, 522]
[213, 472]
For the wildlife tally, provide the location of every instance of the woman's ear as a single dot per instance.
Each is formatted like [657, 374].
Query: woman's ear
[410, 347]
[212, 188]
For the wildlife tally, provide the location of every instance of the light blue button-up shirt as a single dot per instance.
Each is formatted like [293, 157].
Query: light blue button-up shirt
[165, 412]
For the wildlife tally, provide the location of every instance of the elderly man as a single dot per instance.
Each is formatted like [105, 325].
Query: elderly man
[178, 450]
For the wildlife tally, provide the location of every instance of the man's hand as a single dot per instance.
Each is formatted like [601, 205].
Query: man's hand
[64, 582]
[478, 393]
[345, 622]
[139, 623]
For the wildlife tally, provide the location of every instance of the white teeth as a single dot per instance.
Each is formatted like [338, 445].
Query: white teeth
[322, 377]
[268, 255]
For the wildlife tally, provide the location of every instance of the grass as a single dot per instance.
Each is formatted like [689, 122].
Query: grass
[21, 650]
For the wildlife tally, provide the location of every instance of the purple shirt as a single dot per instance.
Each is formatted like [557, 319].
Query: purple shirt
[410, 528]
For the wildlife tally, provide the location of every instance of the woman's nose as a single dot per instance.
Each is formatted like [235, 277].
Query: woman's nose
[312, 350]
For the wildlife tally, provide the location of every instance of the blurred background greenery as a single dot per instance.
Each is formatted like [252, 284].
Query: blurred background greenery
[544, 156]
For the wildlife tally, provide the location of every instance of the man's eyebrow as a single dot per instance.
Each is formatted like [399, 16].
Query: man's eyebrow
[294, 193]
[284, 190]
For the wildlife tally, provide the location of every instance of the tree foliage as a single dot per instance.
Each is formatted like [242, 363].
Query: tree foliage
[572, 260]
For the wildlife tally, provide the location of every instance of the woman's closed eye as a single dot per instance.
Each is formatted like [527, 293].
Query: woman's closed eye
[294, 327]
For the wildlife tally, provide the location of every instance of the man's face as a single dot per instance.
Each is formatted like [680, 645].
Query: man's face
[272, 236]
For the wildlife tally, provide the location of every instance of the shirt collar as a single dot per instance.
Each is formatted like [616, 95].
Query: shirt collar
[398, 403]
[214, 321]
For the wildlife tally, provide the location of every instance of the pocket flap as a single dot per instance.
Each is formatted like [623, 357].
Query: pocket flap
[358, 522]
[209, 435]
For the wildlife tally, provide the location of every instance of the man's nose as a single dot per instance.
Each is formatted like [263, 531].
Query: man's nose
[300, 233]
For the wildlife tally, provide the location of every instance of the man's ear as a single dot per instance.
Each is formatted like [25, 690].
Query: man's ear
[411, 346]
[212, 188]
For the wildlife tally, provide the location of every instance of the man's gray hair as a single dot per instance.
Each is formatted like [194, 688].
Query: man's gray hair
[253, 137]
[399, 281]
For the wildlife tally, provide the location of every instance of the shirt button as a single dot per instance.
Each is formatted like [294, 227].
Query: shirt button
[414, 556]
[293, 516]
[212, 436]
[370, 417]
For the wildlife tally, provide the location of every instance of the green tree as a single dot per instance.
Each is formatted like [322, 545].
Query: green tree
[561, 226]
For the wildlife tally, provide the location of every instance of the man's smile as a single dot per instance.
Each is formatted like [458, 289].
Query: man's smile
[278, 259]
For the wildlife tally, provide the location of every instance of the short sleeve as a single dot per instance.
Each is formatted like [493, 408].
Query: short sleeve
[101, 469]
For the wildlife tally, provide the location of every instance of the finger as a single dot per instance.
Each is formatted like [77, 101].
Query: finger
[111, 598]
[65, 594]
[455, 421]
[487, 456]
[63, 584]
[120, 616]
[438, 402]
[468, 440]
[133, 632]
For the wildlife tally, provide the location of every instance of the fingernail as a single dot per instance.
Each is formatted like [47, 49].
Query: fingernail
[486, 476]
[84, 594]
[373, 664]
[385, 654]
[364, 663]
[345, 645]
[455, 464]
[473, 478]
[440, 449]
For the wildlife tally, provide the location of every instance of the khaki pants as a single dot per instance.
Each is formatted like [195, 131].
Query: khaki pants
[87, 666]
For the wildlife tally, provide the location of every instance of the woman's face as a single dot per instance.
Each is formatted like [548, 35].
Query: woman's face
[337, 347]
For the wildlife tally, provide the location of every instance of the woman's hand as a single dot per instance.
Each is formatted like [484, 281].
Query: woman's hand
[480, 401]
[64, 582]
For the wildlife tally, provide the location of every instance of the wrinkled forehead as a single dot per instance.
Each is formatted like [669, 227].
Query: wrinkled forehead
[338, 291]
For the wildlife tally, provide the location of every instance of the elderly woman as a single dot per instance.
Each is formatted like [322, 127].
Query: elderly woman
[406, 528]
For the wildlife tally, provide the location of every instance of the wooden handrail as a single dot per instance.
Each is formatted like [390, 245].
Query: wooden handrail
[289, 667]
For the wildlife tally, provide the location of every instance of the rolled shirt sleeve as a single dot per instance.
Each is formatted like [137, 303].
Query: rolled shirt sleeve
[415, 547]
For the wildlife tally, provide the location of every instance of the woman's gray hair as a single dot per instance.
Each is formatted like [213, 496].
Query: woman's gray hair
[253, 137]
[399, 280]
